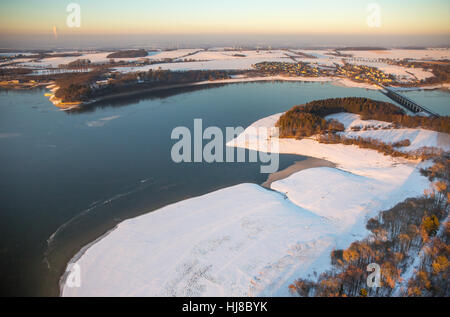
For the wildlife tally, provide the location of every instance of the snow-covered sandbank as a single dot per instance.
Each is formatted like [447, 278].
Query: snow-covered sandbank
[210, 245]
[249, 241]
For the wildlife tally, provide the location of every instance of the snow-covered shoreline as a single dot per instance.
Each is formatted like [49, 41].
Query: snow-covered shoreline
[249, 241]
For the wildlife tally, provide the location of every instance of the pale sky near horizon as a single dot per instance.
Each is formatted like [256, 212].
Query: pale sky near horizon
[225, 17]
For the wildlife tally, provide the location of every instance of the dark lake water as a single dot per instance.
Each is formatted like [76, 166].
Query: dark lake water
[68, 177]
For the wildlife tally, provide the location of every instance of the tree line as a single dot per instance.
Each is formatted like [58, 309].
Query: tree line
[80, 86]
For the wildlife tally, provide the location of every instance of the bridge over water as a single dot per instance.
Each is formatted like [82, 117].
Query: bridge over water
[406, 102]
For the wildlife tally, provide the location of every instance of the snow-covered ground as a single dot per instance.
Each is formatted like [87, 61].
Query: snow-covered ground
[225, 55]
[402, 73]
[179, 53]
[243, 60]
[246, 240]
[425, 54]
[17, 60]
[346, 82]
[218, 60]
[209, 245]
[419, 137]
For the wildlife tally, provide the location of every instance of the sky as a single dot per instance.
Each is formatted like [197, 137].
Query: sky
[225, 17]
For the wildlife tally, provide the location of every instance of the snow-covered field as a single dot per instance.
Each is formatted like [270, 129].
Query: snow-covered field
[236, 63]
[249, 241]
[17, 60]
[218, 60]
[209, 245]
[224, 55]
